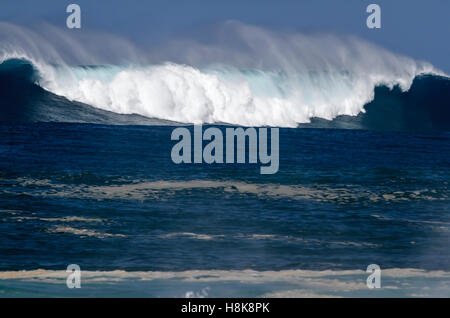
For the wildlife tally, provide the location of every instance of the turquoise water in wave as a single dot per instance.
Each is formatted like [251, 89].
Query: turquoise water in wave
[109, 198]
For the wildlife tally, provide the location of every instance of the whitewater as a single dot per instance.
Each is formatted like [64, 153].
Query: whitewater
[267, 79]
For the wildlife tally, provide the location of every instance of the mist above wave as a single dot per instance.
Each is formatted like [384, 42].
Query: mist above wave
[246, 76]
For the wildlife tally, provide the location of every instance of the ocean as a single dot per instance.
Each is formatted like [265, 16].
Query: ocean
[109, 199]
[95, 186]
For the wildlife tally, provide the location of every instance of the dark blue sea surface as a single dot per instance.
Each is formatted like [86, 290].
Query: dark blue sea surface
[109, 197]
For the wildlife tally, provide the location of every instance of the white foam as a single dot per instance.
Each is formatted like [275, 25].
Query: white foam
[190, 95]
[225, 275]
[82, 232]
[147, 190]
[396, 282]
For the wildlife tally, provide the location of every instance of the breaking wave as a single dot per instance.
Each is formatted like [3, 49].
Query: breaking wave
[267, 79]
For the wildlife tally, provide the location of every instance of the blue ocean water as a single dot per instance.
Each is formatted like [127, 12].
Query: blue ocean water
[81, 185]
[110, 198]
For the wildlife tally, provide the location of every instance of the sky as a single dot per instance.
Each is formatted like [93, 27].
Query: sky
[417, 28]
